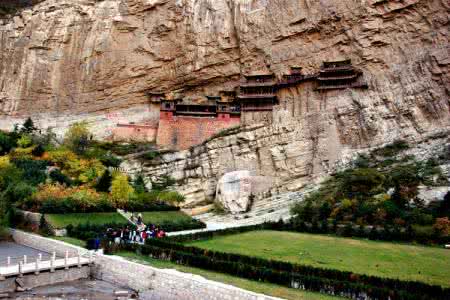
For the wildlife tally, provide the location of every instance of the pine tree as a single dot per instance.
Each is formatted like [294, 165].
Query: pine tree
[28, 126]
[139, 184]
[104, 183]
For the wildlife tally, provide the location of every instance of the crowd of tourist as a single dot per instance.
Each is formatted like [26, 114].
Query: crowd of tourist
[139, 235]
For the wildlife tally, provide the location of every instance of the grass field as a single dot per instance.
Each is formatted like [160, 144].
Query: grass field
[255, 286]
[62, 220]
[69, 240]
[426, 264]
[157, 217]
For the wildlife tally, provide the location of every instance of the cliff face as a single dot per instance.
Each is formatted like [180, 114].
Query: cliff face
[67, 60]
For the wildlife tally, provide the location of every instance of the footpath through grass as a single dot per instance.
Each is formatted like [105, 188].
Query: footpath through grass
[62, 220]
[254, 286]
[427, 264]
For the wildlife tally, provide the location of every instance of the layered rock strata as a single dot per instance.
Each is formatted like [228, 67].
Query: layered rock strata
[94, 59]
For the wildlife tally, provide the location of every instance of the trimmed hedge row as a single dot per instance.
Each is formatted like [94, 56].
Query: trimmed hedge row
[328, 281]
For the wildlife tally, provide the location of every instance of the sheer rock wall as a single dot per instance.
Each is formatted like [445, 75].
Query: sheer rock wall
[90, 59]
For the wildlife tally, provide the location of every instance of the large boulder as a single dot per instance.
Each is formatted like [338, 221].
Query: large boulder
[235, 190]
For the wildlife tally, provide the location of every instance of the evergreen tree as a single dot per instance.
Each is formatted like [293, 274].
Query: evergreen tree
[139, 184]
[104, 183]
[28, 126]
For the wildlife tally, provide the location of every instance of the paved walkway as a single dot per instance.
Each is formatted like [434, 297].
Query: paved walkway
[16, 252]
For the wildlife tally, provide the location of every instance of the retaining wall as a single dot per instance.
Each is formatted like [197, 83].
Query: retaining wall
[45, 244]
[151, 283]
[44, 278]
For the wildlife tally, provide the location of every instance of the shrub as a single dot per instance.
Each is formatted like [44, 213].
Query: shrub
[110, 160]
[56, 198]
[25, 141]
[392, 149]
[38, 151]
[57, 177]
[4, 162]
[6, 143]
[162, 183]
[171, 197]
[33, 170]
[442, 226]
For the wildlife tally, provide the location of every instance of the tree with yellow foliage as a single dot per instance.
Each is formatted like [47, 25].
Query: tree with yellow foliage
[77, 137]
[121, 190]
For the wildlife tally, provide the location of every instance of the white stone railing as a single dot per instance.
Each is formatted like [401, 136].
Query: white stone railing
[36, 265]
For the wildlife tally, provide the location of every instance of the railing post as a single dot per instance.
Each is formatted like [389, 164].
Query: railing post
[24, 259]
[36, 271]
[65, 260]
[40, 256]
[8, 261]
[20, 269]
[52, 264]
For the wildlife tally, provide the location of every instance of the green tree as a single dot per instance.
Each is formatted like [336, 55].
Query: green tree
[104, 182]
[139, 184]
[121, 190]
[405, 179]
[78, 137]
[28, 126]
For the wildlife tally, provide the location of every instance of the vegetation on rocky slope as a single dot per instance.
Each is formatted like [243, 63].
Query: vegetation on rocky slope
[41, 174]
[380, 189]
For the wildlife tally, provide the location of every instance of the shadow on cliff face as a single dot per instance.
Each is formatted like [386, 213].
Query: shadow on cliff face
[12, 6]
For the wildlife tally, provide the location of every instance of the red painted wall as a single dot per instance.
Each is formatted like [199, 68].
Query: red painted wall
[134, 132]
[182, 132]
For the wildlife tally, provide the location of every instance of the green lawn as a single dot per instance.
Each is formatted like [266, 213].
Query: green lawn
[157, 217]
[69, 240]
[62, 220]
[426, 264]
[255, 286]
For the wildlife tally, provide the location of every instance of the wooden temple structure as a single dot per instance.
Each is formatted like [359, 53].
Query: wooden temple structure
[257, 93]
[339, 75]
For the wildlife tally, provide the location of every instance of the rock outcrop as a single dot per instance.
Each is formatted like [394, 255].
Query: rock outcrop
[65, 60]
[235, 190]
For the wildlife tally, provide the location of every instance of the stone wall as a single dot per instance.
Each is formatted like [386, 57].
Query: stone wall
[151, 283]
[157, 284]
[30, 281]
[182, 132]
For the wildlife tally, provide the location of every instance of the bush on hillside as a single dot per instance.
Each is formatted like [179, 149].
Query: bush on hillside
[78, 137]
[6, 143]
[392, 149]
[57, 177]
